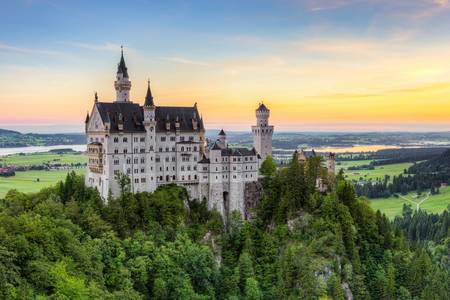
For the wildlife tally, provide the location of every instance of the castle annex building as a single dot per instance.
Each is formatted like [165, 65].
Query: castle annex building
[156, 145]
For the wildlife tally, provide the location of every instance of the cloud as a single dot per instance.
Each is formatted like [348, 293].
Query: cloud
[320, 5]
[108, 46]
[185, 61]
[10, 48]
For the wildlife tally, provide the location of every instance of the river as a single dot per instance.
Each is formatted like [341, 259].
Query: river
[35, 149]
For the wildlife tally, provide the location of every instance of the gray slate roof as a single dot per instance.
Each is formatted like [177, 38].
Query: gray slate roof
[183, 114]
[133, 117]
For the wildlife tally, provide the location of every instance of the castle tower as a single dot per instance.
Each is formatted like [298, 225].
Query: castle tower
[222, 139]
[122, 83]
[262, 132]
[331, 163]
[150, 140]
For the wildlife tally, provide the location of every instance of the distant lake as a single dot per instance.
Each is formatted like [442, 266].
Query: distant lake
[34, 149]
[357, 148]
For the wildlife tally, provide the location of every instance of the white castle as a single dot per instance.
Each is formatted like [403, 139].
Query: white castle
[158, 145]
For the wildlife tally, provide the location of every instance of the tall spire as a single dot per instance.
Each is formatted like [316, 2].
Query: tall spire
[149, 98]
[122, 68]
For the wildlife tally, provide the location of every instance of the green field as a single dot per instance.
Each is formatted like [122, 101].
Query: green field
[41, 158]
[378, 172]
[392, 206]
[27, 181]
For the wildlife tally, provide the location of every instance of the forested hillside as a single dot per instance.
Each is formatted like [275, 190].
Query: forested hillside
[10, 138]
[64, 243]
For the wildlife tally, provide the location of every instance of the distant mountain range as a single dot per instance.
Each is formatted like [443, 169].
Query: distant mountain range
[10, 138]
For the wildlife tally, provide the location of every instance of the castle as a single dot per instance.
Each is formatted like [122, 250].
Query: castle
[157, 145]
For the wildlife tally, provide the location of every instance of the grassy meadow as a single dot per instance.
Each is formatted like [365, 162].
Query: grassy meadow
[393, 206]
[41, 158]
[378, 173]
[33, 181]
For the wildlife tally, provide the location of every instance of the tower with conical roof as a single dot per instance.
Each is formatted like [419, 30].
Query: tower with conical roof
[122, 83]
[262, 132]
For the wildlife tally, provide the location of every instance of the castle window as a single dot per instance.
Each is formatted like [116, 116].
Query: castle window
[182, 177]
[160, 149]
[116, 151]
[116, 140]
[173, 158]
[182, 168]
[142, 180]
[160, 178]
[143, 140]
[163, 139]
[128, 160]
[116, 162]
[188, 168]
[157, 159]
[128, 171]
[167, 178]
[173, 177]
[142, 150]
[136, 180]
[191, 138]
[151, 148]
[234, 176]
[181, 138]
[125, 140]
[125, 151]
[136, 160]
[182, 148]
[135, 150]
[142, 160]
[167, 159]
[205, 168]
[172, 139]
[195, 177]
[173, 149]
[167, 149]
[136, 171]
[136, 139]
[189, 177]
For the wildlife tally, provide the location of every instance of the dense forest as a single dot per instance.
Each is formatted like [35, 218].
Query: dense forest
[65, 243]
[422, 176]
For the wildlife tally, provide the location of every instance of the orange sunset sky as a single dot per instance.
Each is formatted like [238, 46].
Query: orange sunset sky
[344, 65]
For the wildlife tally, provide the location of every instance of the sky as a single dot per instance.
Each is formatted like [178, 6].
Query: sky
[319, 65]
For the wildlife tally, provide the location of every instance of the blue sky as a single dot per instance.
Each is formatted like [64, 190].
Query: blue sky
[319, 64]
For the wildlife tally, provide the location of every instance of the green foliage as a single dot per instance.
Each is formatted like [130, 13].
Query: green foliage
[66, 243]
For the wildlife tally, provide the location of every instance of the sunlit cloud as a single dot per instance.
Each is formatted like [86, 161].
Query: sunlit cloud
[186, 61]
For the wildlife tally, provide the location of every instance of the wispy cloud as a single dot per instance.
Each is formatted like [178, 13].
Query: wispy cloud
[107, 46]
[186, 61]
[10, 48]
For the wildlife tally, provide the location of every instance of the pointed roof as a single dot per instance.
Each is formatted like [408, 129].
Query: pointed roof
[149, 97]
[122, 68]
[262, 107]
[87, 118]
[222, 132]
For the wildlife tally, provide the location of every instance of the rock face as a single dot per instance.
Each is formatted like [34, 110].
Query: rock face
[252, 195]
